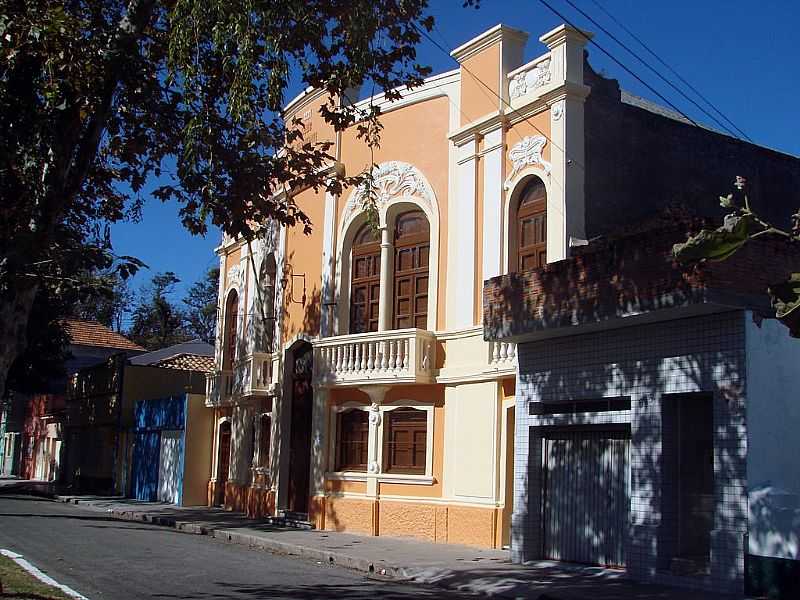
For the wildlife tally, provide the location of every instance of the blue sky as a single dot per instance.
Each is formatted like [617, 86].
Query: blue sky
[742, 56]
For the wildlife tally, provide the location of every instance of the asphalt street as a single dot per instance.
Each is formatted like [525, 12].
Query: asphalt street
[102, 557]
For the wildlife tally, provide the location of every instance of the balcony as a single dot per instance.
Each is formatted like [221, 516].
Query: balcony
[251, 376]
[397, 356]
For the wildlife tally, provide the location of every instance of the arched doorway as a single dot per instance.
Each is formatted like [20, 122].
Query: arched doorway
[223, 461]
[302, 398]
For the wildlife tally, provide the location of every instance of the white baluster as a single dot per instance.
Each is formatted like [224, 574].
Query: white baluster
[503, 351]
[384, 356]
[406, 343]
[392, 354]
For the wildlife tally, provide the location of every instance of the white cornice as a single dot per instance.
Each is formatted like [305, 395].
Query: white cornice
[486, 39]
[479, 127]
[562, 33]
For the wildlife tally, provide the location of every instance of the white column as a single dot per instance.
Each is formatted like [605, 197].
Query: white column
[376, 394]
[318, 436]
[386, 293]
[327, 310]
[492, 203]
[461, 278]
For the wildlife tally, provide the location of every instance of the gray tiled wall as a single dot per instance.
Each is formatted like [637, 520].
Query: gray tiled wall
[644, 362]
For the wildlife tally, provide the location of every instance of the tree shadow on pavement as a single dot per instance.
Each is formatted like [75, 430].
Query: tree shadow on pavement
[367, 589]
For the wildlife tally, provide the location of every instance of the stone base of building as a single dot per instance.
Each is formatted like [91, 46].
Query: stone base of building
[254, 502]
[432, 522]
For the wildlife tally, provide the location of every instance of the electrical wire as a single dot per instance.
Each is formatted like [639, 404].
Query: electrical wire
[655, 71]
[620, 63]
[669, 68]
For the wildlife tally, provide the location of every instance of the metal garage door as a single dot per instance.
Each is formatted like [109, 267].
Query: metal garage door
[586, 496]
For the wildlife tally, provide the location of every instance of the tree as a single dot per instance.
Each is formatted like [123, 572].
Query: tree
[109, 304]
[740, 227]
[201, 302]
[157, 322]
[103, 100]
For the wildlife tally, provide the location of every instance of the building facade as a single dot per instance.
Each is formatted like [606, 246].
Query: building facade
[354, 385]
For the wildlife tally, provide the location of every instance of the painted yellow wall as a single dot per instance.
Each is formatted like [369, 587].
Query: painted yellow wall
[197, 450]
[476, 100]
[304, 256]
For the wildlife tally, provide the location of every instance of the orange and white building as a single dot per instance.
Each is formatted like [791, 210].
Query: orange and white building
[354, 387]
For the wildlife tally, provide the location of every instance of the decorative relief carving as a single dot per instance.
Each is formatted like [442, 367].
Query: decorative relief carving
[557, 110]
[527, 81]
[374, 415]
[392, 180]
[526, 152]
[233, 276]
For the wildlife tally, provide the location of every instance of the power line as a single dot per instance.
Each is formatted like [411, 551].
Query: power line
[496, 95]
[618, 62]
[669, 68]
[654, 70]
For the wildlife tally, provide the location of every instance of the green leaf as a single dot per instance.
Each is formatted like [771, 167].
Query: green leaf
[786, 302]
[717, 244]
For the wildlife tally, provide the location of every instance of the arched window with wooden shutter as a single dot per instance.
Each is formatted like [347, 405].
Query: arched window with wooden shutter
[411, 261]
[528, 229]
[231, 323]
[365, 281]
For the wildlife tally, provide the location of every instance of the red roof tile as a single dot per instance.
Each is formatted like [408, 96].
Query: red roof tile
[92, 333]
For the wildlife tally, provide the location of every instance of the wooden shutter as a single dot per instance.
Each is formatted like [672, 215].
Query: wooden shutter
[353, 442]
[231, 317]
[406, 441]
[531, 228]
[264, 440]
[365, 281]
[411, 259]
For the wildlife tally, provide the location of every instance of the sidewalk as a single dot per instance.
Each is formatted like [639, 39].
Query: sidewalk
[471, 570]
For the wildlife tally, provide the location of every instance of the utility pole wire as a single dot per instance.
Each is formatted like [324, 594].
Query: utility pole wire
[656, 72]
[669, 68]
[618, 62]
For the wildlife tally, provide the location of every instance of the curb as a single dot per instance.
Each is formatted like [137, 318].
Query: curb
[244, 539]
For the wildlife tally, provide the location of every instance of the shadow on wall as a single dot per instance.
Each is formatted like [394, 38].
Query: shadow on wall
[644, 368]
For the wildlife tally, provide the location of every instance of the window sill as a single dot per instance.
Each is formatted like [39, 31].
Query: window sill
[381, 477]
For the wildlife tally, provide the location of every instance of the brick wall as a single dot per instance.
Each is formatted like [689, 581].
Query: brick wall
[615, 278]
[644, 362]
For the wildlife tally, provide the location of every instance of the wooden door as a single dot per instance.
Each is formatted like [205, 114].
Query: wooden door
[365, 281]
[300, 440]
[411, 259]
[224, 460]
[531, 228]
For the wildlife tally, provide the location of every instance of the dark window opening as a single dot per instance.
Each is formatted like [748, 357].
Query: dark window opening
[581, 406]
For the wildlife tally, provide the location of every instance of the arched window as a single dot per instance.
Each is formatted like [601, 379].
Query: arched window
[231, 318]
[528, 229]
[411, 258]
[365, 281]
[267, 302]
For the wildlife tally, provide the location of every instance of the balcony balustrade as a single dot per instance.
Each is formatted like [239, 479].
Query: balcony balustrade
[396, 356]
[251, 376]
[502, 355]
